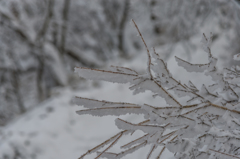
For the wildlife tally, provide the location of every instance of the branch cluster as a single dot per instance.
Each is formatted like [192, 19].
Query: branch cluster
[204, 126]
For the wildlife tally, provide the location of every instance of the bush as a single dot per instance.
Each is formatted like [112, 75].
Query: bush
[206, 125]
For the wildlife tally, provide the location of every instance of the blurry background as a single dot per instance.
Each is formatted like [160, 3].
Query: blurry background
[41, 41]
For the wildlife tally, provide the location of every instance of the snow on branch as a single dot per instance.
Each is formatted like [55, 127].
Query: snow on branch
[103, 108]
[191, 67]
[236, 57]
[205, 126]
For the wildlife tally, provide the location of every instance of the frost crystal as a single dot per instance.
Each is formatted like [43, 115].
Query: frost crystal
[205, 126]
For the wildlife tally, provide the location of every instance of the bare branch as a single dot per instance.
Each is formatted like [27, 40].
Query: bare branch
[148, 53]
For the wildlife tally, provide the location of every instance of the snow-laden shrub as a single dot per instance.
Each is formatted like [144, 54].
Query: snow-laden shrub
[206, 125]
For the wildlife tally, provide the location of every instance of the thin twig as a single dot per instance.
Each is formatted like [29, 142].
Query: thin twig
[153, 148]
[134, 141]
[100, 145]
[148, 53]
[224, 153]
[110, 145]
[158, 157]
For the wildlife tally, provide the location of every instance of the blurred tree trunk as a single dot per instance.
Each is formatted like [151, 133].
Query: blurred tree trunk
[16, 83]
[121, 48]
[39, 46]
[65, 12]
[153, 17]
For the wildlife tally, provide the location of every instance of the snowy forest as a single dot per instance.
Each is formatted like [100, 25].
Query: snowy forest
[119, 79]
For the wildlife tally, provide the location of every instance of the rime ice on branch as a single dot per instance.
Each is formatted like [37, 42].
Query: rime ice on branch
[205, 126]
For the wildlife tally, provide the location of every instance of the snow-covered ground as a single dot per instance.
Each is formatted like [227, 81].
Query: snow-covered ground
[52, 130]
